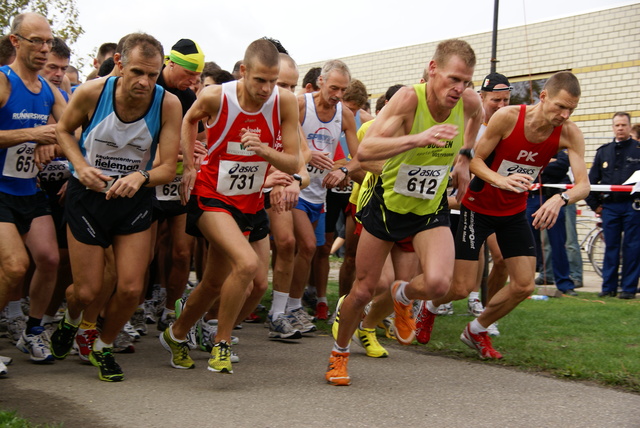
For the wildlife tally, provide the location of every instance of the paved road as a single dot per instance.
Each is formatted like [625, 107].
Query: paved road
[279, 384]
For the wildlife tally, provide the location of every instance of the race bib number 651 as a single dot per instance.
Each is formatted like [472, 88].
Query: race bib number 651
[20, 161]
[241, 178]
[419, 181]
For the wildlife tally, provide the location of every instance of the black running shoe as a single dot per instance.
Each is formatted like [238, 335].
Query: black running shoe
[104, 360]
[62, 339]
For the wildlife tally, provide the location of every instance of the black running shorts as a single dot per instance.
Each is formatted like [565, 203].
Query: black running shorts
[94, 220]
[513, 233]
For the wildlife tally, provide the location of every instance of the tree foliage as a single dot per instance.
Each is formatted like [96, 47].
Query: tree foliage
[62, 15]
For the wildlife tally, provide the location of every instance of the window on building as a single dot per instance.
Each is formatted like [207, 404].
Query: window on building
[526, 89]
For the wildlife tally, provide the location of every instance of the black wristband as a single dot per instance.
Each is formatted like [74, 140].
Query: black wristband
[146, 176]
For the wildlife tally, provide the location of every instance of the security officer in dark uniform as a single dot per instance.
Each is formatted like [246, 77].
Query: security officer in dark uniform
[614, 163]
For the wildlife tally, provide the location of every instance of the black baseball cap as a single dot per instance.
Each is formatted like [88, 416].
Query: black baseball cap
[489, 83]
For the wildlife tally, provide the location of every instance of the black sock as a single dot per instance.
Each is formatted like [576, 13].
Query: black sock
[33, 322]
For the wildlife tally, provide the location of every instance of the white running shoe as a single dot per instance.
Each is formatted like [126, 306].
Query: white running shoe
[445, 309]
[35, 343]
[492, 330]
[131, 331]
[301, 320]
[475, 308]
[15, 327]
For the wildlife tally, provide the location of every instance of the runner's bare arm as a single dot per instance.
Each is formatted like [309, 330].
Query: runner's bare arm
[500, 126]
[389, 134]
[572, 140]
[207, 105]
[78, 112]
[473, 117]
[287, 160]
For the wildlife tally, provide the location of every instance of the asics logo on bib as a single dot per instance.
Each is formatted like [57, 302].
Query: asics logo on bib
[243, 169]
[420, 172]
[529, 156]
[58, 167]
[520, 169]
[26, 149]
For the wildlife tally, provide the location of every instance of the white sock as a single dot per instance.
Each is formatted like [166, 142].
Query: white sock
[400, 296]
[474, 295]
[99, 345]
[47, 319]
[293, 304]
[341, 350]
[14, 309]
[72, 321]
[167, 311]
[476, 327]
[278, 304]
[431, 307]
[322, 299]
[171, 334]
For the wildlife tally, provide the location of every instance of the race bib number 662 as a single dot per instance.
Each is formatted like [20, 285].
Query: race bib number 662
[419, 181]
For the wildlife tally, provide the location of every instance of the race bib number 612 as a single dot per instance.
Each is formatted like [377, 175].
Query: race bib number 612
[419, 181]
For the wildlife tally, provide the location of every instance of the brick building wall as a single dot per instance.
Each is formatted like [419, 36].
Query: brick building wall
[601, 48]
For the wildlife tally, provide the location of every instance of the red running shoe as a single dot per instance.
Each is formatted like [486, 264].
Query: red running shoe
[424, 323]
[404, 323]
[481, 342]
[322, 311]
[253, 318]
[84, 340]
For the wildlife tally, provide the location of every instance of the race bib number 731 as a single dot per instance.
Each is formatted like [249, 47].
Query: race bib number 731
[420, 181]
[241, 178]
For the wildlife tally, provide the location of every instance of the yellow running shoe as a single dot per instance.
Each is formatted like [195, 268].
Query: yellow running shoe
[387, 325]
[336, 323]
[220, 361]
[405, 325]
[366, 337]
[337, 370]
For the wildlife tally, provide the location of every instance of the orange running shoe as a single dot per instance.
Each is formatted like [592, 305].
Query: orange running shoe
[405, 325]
[337, 370]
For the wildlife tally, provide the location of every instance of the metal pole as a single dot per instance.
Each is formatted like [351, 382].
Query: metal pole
[494, 40]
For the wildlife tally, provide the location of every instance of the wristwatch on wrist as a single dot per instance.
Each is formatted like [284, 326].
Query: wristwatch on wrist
[467, 152]
[145, 174]
[565, 198]
[297, 178]
[345, 170]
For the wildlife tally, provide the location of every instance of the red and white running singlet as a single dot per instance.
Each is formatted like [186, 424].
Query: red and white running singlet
[514, 154]
[230, 173]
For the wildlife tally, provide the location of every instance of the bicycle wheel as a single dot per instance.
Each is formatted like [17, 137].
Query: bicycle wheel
[596, 252]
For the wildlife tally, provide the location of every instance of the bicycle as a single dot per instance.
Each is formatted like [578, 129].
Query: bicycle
[593, 244]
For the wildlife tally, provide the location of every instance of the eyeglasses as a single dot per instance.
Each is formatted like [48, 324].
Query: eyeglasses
[36, 42]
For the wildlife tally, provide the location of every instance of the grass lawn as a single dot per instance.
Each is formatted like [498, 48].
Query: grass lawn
[585, 338]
